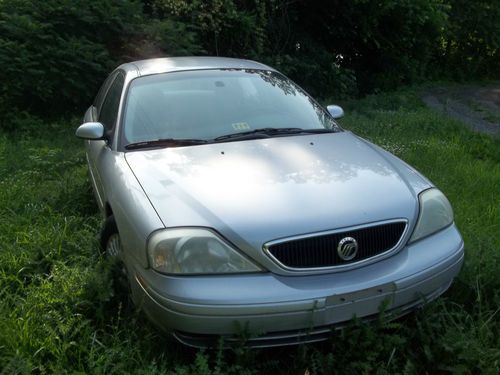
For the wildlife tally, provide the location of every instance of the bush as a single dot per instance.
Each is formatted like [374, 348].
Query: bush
[264, 30]
[472, 40]
[55, 53]
[331, 48]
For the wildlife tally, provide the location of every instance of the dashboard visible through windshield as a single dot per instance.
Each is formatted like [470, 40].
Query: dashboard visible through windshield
[206, 104]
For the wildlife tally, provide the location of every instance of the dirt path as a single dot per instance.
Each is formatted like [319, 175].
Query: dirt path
[476, 106]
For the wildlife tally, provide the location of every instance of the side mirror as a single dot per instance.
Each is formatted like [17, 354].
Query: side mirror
[91, 131]
[336, 111]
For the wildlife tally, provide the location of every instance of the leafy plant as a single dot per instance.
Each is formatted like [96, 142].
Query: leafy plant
[55, 53]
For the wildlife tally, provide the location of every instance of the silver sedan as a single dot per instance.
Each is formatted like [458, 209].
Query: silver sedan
[239, 207]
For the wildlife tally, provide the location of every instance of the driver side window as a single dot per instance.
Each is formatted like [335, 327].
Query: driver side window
[109, 110]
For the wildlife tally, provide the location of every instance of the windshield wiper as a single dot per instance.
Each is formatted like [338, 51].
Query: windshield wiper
[267, 132]
[271, 132]
[165, 142]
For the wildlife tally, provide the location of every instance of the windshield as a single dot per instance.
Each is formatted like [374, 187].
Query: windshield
[206, 104]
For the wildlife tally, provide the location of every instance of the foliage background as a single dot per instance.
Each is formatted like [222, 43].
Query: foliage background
[64, 48]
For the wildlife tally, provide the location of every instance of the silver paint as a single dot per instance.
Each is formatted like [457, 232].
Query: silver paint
[255, 192]
[90, 130]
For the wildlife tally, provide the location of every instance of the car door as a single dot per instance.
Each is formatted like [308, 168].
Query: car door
[105, 110]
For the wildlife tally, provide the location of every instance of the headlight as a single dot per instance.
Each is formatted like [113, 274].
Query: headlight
[435, 214]
[195, 251]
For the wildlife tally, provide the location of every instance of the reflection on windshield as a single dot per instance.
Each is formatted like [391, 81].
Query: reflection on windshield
[205, 104]
[285, 85]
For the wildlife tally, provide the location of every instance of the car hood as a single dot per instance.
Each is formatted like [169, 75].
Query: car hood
[255, 191]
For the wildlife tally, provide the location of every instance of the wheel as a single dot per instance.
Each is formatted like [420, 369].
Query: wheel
[112, 249]
[110, 239]
[113, 246]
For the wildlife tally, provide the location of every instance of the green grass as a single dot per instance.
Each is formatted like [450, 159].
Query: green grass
[59, 312]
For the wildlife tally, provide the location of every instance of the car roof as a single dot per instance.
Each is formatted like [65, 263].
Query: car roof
[171, 64]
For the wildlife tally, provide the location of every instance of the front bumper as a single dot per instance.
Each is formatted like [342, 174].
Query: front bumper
[289, 309]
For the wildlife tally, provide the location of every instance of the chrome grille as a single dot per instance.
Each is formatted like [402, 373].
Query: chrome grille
[321, 250]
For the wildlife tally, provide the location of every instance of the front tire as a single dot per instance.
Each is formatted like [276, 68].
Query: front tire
[110, 238]
[111, 247]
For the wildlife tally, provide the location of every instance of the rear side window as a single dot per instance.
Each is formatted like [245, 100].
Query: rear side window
[109, 109]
